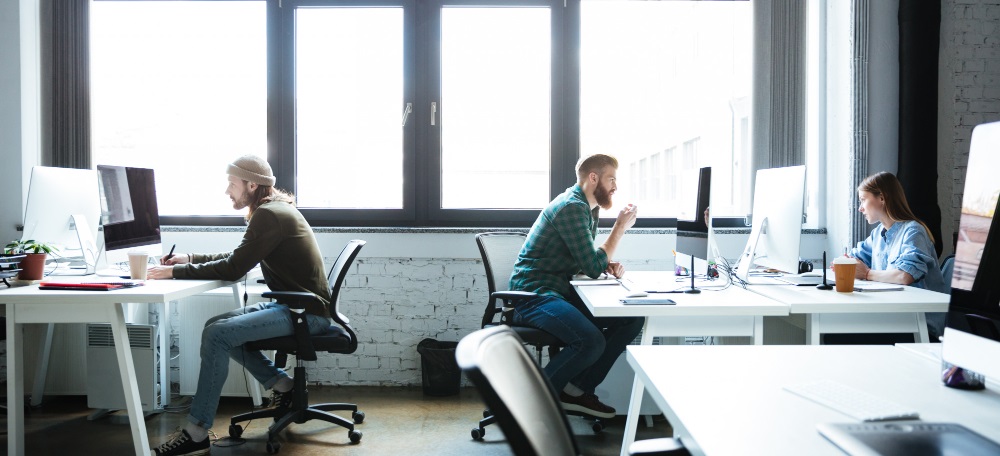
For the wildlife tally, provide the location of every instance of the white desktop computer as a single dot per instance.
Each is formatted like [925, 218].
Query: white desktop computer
[972, 333]
[63, 210]
[777, 222]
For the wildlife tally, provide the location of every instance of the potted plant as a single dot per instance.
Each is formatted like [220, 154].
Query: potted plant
[33, 265]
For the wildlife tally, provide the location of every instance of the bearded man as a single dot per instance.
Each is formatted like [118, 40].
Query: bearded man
[560, 245]
[282, 242]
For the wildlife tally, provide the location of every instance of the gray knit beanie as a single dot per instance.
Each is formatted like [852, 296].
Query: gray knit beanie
[252, 168]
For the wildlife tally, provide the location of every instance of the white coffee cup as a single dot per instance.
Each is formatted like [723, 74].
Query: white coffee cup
[138, 262]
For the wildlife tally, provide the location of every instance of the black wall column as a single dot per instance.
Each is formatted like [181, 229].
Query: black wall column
[919, 27]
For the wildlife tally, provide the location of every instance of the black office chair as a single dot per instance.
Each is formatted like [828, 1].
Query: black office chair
[936, 320]
[499, 251]
[524, 402]
[339, 338]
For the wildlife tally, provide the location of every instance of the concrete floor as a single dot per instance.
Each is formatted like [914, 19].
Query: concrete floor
[398, 421]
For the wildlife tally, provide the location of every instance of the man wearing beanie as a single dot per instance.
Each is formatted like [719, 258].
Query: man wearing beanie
[282, 242]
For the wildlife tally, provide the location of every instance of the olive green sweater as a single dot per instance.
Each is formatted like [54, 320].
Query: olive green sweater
[281, 240]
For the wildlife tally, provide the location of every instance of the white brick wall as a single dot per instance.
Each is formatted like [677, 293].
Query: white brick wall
[971, 55]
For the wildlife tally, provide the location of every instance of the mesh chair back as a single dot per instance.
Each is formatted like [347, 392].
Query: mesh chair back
[517, 392]
[499, 252]
[336, 279]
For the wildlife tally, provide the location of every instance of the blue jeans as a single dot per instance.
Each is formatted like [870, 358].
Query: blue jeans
[223, 338]
[592, 344]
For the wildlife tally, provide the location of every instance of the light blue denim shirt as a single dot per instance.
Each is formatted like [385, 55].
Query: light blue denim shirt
[904, 246]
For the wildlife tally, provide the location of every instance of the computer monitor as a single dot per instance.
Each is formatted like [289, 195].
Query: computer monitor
[63, 209]
[776, 229]
[972, 334]
[693, 232]
[692, 226]
[142, 232]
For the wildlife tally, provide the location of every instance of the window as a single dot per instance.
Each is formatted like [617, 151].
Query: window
[424, 113]
[185, 104]
[668, 76]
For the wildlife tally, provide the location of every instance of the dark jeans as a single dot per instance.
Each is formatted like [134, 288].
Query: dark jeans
[592, 344]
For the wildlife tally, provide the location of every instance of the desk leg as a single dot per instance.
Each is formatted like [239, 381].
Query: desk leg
[635, 402]
[921, 335]
[812, 329]
[126, 367]
[164, 358]
[38, 391]
[15, 384]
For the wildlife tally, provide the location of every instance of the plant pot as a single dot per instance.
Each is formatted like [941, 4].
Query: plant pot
[32, 267]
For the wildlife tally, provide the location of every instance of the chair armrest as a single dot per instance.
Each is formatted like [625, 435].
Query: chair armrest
[292, 299]
[508, 296]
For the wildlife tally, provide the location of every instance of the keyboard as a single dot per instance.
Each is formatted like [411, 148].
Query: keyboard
[852, 402]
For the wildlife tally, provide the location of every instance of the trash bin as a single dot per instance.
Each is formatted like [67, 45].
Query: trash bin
[439, 369]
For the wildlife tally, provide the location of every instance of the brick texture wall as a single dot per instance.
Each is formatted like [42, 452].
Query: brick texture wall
[971, 40]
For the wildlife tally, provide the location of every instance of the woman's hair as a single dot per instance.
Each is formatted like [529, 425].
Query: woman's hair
[594, 164]
[886, 185]
[266, 194]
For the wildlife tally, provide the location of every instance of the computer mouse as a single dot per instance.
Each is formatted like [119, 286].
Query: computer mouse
[637, 294]
[812, 274]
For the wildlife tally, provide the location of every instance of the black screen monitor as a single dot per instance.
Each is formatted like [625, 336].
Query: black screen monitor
[143, 228]
[972, 335]
[692, 229]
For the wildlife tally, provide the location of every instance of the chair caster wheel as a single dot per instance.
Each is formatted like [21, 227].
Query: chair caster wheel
[355, 436]
[359, 417]
[235, 431]
[597, 426]
[273, 447]
[477, 433]
[487, 413]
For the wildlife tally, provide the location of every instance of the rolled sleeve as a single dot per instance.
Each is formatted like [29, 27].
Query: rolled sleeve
[912, 259]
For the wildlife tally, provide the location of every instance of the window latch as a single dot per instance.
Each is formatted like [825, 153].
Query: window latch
[406, 112]
[434, 110]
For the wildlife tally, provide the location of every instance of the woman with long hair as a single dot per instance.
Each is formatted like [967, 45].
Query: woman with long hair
[901, 247]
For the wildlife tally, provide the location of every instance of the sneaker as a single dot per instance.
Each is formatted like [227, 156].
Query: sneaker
[586, 403]
[281, 400]
[180, 444]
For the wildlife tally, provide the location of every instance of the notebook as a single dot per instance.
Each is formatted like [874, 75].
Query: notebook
[87, 286]
[804, 280]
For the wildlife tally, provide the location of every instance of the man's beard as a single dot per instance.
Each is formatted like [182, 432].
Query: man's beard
[603, 197]
[243, 202]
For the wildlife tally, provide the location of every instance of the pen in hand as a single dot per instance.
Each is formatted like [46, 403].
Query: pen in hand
[171, 254]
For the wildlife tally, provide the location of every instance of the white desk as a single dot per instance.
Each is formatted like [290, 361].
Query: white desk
[728, 400]
[31, 305]
[729, 312]
[830, 312]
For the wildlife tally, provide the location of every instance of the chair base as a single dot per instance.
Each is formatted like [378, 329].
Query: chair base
[596, 424]
[299, 413]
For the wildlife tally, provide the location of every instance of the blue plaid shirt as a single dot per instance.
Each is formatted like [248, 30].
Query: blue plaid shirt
[559, 245]
[904, 246]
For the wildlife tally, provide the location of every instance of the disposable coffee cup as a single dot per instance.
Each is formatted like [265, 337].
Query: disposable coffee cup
[843, 272]
[137, 264]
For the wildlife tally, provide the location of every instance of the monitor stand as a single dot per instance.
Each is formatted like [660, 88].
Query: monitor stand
[692, 290]
[88, 248]
[825, 285]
